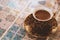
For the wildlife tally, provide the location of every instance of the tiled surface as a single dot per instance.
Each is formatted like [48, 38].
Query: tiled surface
[16, 32]
[10, 9]
[1, 32]
[6, 18]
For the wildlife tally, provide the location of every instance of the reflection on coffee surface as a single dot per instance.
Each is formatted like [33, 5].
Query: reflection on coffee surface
[42, 14]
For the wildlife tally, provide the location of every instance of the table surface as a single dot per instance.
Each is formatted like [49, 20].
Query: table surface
[13, 13]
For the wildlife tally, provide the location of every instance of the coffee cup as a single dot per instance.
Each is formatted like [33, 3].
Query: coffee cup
[42, 13]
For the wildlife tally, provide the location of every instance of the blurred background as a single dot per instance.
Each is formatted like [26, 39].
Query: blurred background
[14, 12]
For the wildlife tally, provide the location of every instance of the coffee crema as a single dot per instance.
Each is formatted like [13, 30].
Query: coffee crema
[42, 14]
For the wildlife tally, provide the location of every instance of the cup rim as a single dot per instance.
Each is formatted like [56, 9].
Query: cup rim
[43, 8]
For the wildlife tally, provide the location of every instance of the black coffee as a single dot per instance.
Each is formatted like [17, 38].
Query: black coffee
[42, 14]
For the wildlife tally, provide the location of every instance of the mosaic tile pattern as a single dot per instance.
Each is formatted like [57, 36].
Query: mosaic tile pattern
[15, 33]
[14, 28]
[7, 16]
[17, 37]
[1, 32]
[9, 10]
[8, 36]
[20, 4]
